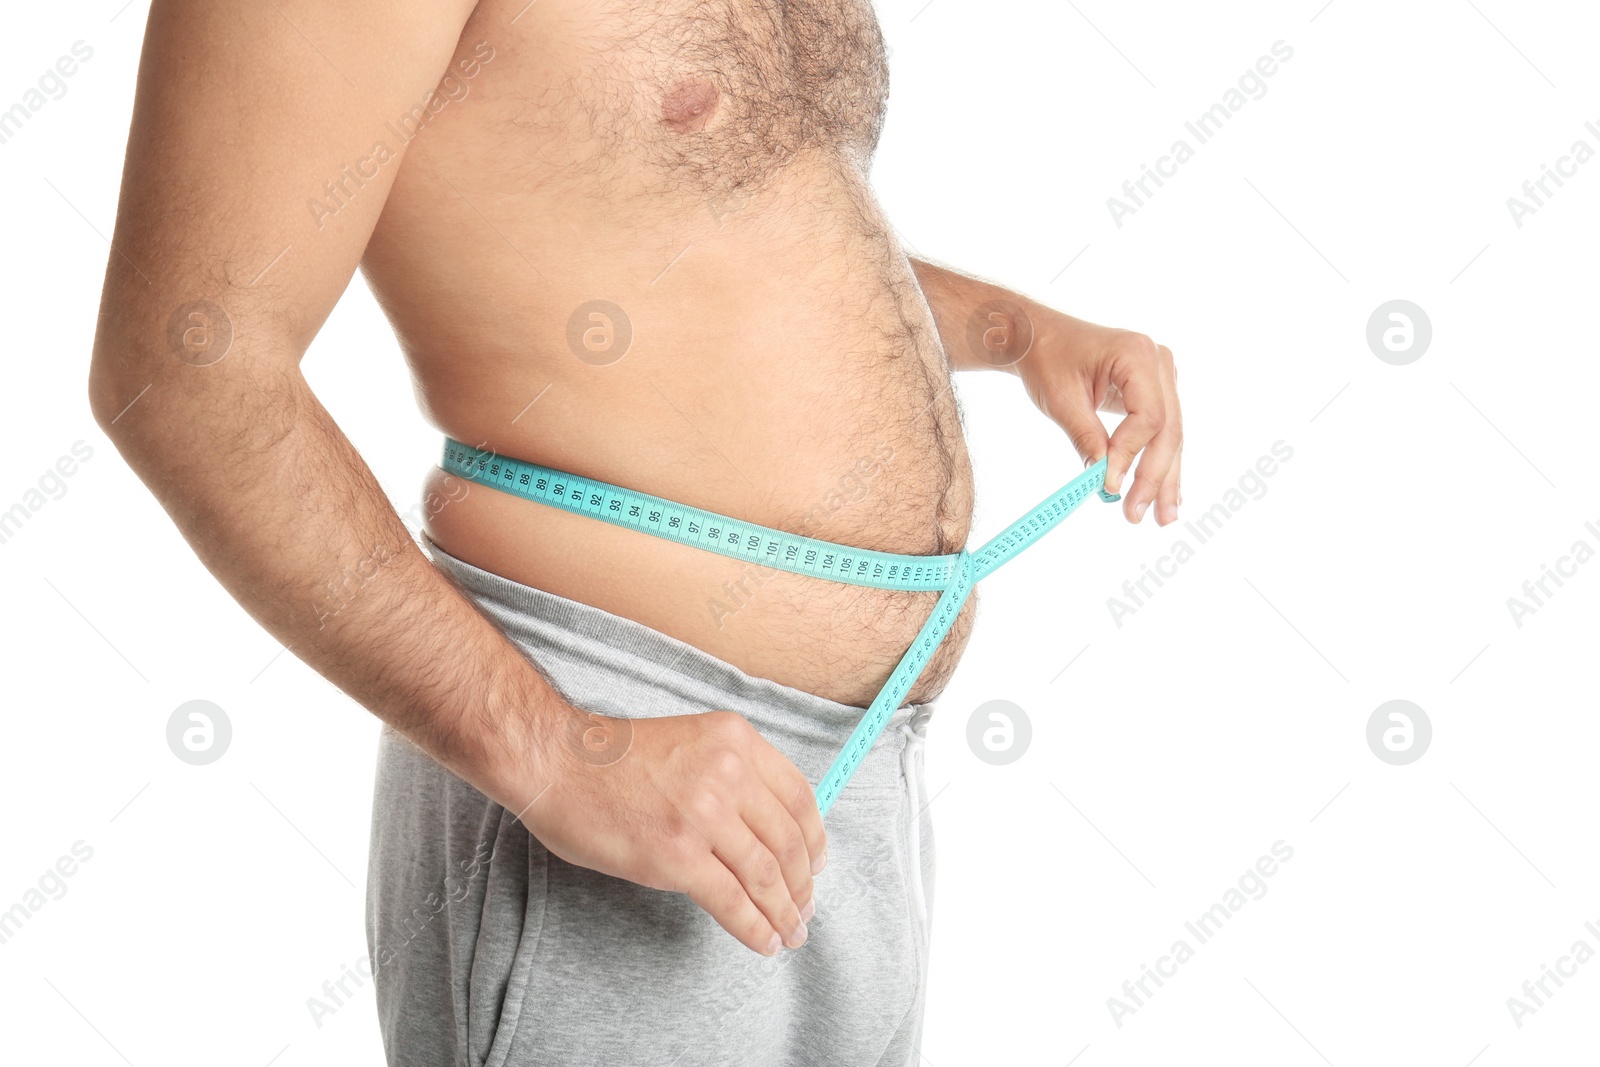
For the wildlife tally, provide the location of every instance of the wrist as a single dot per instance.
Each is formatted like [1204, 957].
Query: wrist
[1000, 333]
[1043, 330]
[521, 750]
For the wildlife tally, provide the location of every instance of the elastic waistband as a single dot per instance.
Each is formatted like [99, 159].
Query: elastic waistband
[616, 666]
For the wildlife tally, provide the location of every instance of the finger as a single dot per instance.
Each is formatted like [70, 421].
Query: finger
[792, 790]
[721, 895]
[1171, 496]
[1156, 462]
[1072, 409]
[758, 870]
[776, 827]
[1168, 497]
[1136, 370]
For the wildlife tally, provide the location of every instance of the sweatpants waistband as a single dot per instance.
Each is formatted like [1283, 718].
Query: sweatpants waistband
[615, 666]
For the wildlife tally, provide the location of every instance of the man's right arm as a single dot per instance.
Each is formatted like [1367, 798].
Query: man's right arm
[218, 281]
[227, 434]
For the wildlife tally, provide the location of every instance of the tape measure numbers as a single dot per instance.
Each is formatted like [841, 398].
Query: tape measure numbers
[954, 574]
[693, 526]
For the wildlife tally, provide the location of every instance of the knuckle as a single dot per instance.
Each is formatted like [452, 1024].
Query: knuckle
[1084, 441]
[1137, 345]
[793, 849]
[724, 901]
[702, 808]
[802, 799]
[764, 872]
[726, 765]
[798, 788]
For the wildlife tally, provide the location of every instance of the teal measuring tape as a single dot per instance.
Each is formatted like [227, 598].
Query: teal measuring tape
[954, 574]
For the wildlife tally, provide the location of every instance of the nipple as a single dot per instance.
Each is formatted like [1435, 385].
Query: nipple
[690, 106]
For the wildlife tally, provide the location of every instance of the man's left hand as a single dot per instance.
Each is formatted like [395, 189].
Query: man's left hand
[1074, 368]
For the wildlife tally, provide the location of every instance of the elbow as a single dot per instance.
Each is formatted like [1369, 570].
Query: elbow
[101, 398]
[152, 413]
[111, 397]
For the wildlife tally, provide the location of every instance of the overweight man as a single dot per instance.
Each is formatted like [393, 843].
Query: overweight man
[630, 243]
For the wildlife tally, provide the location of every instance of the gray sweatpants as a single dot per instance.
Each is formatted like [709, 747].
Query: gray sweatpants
[491, 952]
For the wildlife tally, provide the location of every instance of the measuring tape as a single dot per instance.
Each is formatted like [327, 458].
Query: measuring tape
[954, 574]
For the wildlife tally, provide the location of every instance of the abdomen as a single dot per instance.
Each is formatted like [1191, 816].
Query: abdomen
[780, 364]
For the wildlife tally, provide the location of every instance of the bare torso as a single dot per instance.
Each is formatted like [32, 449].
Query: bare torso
[701, 166]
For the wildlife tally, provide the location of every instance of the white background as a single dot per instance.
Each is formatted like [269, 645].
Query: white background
[1226, 714]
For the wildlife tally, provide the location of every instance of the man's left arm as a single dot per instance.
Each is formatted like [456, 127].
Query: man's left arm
[1071, 369]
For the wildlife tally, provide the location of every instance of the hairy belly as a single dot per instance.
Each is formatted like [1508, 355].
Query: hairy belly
[669, 280]
[772, 406]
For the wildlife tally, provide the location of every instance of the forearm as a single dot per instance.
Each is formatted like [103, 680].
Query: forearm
[982, 325]
[282, 510]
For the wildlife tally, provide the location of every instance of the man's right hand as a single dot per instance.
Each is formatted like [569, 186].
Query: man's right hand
[697, 804]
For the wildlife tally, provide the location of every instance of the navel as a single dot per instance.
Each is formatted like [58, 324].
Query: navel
[690, 105]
